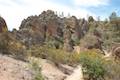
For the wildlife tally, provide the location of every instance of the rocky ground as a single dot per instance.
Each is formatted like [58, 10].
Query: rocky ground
[12, 69]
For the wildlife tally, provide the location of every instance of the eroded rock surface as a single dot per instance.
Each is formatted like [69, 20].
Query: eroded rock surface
[12, 69]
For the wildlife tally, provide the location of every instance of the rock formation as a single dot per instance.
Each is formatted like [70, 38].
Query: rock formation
[36, 29]
[48, 28]
[3, 25]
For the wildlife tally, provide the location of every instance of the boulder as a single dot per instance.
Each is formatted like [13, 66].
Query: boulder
[90, 41]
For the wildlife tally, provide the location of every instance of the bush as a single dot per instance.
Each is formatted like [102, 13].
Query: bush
[113, 70]
[55, 55]
[17, 50]
[4, 39]
[90, 41]
[92, 64]
[9, 45]
[34, 65]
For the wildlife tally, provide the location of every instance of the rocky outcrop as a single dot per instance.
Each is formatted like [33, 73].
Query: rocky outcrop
[76, 75]
[36, 29]
[84, 27]
[12, 69]
[68, 45]
[73, 25]
[116, 50]
[50, 71]
[48, 28]
[3, 25]
[91, 42]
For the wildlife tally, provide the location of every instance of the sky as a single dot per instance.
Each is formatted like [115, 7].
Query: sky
[14, 11]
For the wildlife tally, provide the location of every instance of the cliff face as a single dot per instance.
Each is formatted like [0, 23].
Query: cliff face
[3, 25]
[49, 28]
[37, 28]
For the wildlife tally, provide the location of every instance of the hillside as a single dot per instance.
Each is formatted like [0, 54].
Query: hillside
[52, 47]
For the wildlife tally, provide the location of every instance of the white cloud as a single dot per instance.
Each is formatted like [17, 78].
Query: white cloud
[91, 3]
[14, 13]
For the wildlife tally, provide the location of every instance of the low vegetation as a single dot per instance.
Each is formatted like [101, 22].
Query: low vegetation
[35, 66]
[55, 55]
[92, 64]
[89, 34]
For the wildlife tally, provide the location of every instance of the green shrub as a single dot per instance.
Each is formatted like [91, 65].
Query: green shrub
[92, 64]
[55, 55]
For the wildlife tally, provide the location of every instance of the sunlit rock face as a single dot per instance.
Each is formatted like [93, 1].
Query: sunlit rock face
[51, 29]
[37, 29]
[3, 25]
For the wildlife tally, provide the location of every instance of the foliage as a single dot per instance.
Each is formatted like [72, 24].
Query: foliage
[54, 42]
[90, 41]
[34, 65]
[92, 64]
[55, 55]
[90, 19]
[4, 39]
[9, 45]
[113, 70]
[52, 54]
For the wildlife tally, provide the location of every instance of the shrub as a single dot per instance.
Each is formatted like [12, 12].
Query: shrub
[55, 55]
[73, 59]
[90, 41]
[9, 45]
[34, 65]
[4, 39]
[92, 64]
[17, 50]
[113, 70]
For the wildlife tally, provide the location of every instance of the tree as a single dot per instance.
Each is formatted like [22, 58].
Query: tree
[90, 19]
[113, 16]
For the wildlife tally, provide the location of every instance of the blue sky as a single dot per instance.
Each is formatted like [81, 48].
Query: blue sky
[14, 11]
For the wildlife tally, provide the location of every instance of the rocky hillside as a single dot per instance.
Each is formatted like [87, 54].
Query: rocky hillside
[48, 28]
[64, 48]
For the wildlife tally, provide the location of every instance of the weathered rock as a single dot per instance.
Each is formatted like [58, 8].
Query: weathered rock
[73, 25]
[50, 71]
[66, 69]
[116, 50]
[90, 41]
[76, 75]
[12, 69]
[3, 25]
[84, 27]
[68, 45]
[36, 29]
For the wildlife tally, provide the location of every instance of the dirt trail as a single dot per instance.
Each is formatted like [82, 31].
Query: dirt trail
[76, 75]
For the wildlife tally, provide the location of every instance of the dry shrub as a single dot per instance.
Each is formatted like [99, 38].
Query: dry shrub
[113, 70]
[9, 45]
